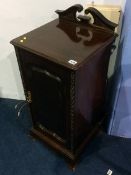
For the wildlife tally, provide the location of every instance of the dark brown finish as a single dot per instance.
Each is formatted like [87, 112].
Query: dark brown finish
[99, 19]
[70, 13]
[63, 66]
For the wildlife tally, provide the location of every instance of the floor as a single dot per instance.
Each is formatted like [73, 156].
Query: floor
[21, 155]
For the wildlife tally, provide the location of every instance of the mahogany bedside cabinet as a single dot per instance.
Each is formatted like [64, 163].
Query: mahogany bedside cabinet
[63, 66]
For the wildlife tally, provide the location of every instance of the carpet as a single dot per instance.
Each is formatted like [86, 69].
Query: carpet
[21, 155]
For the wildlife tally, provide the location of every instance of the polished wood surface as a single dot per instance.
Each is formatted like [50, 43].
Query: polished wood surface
[99, 19]
[61, 41]
[63, 66]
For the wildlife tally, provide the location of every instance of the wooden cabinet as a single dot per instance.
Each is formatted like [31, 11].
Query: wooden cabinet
[63, 66]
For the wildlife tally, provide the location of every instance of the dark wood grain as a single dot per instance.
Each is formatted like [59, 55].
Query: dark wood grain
[66, 100]
[70, 13]
[100, 19]
[62, 41]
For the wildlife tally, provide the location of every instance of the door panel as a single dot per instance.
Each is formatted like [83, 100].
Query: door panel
[48, 101]
[50, 95]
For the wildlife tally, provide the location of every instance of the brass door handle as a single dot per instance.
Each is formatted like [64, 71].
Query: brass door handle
[28, 97]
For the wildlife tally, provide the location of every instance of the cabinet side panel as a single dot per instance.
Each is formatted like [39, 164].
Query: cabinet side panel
[90, 94]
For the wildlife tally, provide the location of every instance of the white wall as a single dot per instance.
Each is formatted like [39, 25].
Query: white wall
[18, 17]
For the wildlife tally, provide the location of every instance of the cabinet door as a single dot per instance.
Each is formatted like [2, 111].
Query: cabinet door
[48, 101]
[49, 87]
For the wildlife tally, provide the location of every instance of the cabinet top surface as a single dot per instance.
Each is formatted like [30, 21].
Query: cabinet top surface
[64, 42]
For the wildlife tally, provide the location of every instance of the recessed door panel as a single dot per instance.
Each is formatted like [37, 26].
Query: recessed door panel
[48, 100]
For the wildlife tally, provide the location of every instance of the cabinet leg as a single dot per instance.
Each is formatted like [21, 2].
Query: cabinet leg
[72, 166]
